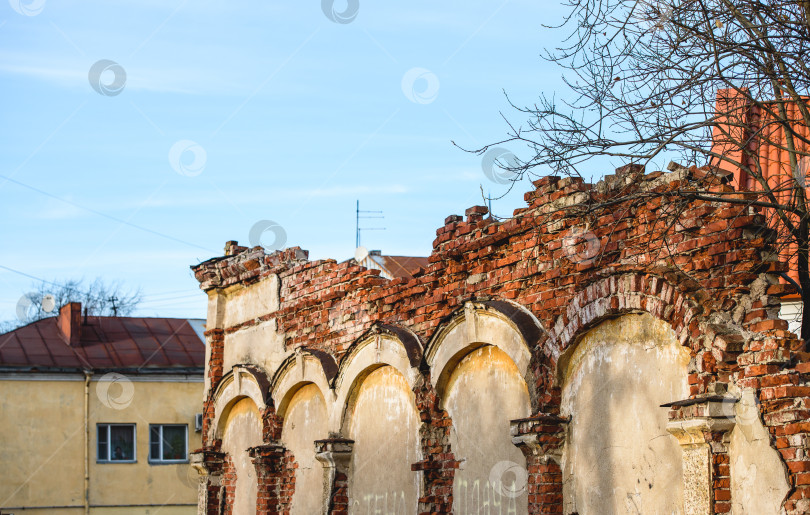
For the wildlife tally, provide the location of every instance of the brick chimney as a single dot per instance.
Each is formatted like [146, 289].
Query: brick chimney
[70, 322]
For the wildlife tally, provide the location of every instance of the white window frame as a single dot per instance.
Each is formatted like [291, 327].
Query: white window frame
[159, 459]
[108, 458]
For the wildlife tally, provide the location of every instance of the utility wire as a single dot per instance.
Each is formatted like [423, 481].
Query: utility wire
[99, 213]
[27, 275]
[83, 292]
[188, 294]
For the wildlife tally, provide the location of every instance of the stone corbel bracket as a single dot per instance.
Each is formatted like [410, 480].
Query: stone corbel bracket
[693, 421]
[702, 426]
[541, 436]
[209, 465]
[335, 454]
[207, 462]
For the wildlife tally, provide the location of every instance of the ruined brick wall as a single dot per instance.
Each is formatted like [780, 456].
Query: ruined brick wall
[704, 269]
[228, 487]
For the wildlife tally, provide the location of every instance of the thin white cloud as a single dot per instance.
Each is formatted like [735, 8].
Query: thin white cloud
[64, 77]
[56, 210]
[174, 81]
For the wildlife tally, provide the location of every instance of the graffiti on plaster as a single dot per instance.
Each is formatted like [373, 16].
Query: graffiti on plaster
[385, 503]
[487, 497]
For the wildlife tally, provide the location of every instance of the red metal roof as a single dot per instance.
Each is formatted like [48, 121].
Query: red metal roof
[107, 343]
[403, 266]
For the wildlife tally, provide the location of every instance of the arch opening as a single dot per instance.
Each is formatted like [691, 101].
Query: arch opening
[242, 429]
[382, 419]
[305, 421]
[484, 392]
[619, 456]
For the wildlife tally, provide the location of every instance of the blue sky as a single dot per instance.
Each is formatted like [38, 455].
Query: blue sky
[276, 113]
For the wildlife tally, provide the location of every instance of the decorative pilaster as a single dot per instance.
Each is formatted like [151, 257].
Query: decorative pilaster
[335, 454]
[702, 426]
[541, 440]
[274, 478]
[209, 464]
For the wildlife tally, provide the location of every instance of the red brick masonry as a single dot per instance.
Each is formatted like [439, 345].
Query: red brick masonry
[704, 268]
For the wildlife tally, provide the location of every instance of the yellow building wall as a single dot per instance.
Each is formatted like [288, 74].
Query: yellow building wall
[42, 446]
[41, 443]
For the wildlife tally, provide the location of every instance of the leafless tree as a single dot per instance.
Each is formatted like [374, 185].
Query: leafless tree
[722, 83]
[97, 297]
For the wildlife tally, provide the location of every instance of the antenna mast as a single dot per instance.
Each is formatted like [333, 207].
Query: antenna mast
[365, 215]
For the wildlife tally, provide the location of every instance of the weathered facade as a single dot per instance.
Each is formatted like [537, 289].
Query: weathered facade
[83, 403]
[623, 360]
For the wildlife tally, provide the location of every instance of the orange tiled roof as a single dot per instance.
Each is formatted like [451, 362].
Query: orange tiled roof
[742, 121]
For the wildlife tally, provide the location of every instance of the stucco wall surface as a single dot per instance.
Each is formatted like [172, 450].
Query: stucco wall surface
[260, 344]
[43, 458]
[758, 477]
[305, 422]
[149, 403]
[243, 430]
[32, 450]
[619, 457]
[245, 304]
[384, 424]
[485, 392]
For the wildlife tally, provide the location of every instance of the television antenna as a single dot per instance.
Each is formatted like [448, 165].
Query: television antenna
[360, 214]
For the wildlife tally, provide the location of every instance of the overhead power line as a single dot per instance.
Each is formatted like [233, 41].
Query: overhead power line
[105, 215]
[146, 299]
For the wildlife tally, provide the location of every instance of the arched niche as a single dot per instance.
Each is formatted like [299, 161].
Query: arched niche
[301, 392]
[379, 347]
[378, 412]
[305, 366]
[619, 456]
[241, 429]
[484, 392]
[507, 326]
[480, 367]
[383, 422]
[305, 421]
[243, 381]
